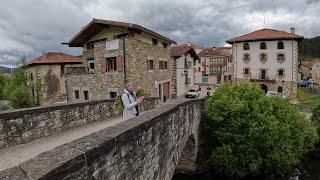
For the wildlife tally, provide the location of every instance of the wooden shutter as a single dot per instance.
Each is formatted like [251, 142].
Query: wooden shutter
[119, 64]
[103, 65]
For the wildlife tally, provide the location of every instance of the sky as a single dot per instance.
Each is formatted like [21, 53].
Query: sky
[29, 28]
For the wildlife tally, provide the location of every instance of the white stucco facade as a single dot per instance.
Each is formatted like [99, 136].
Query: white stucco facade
[184, 74]
[286, 82]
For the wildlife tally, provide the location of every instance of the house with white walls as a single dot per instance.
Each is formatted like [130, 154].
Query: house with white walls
[184, 58]
[268, 57]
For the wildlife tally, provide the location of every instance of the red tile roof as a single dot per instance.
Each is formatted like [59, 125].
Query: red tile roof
[208, 52]
[55, 58]
[179, 50]
[195, 46]
[265, 34]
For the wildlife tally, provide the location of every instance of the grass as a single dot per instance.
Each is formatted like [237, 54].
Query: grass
[308, 100]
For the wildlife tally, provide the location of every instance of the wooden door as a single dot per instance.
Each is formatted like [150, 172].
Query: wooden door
[166, 91]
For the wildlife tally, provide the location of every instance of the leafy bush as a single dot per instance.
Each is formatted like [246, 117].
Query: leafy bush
[141, 92]
[255, 134]
[316, 117]
[118, 104]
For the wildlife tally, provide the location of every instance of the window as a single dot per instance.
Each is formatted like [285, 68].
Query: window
[86, 95]
[90, 45]
[199, 69]
[204, 79]
[280, 45]
[280, 89]
[163, 65]
[246, 57]
[150, 65]
[91, 65]
[246, 71]
[165, 45]
[246, 46]
[280, 57]
[263, 74]
[263, 57]
[76, 93]
[154, 42]
[230, 60]
[112, 95]
[280, 72]
[263, 45]
[111, 64]
[62, 69]
[31, 76]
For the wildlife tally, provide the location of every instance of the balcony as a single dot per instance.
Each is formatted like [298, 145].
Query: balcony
[260, 77]
[215, 72]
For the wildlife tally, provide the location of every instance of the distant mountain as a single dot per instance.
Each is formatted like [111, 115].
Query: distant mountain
[310, 48]
[5, 69]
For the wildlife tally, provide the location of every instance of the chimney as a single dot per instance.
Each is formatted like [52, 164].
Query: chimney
[292, 29]
[189, 44]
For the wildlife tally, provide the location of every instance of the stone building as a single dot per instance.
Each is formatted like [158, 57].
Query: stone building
[215, 67]
[116, 51]
[184, 58]
[51, 69]
[268, 57]
[310, 69]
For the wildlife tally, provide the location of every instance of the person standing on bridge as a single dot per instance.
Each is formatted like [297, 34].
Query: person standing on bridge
[130, 102]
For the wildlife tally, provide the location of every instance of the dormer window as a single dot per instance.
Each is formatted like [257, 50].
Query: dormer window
[280, 45]
[246, 46]
[263, 45]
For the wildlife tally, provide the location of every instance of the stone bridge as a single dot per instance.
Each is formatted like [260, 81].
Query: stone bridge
[151, 146]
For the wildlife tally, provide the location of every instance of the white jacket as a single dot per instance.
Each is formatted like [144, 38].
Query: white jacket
[129, 109]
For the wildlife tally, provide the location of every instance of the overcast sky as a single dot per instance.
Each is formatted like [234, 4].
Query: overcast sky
[31, 27]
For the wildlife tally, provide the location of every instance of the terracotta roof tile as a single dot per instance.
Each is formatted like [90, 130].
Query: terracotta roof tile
[208, 52]
[55, 58]
[265, 34]
[309, 63]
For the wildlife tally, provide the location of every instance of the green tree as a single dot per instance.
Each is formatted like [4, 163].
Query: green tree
[316, 117]
[18, 89]
[3, 82]
[255, 134]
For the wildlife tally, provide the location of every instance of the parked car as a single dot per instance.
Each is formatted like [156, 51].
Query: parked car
[304, 83]
[272, 94]
[192, 93]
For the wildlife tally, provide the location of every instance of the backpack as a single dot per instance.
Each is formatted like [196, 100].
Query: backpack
[121, 99]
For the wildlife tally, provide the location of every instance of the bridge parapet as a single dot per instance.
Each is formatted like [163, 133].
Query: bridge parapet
[25, 125]
[145, 147]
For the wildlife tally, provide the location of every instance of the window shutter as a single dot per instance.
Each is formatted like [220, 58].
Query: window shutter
[119, 64]
[103, 65]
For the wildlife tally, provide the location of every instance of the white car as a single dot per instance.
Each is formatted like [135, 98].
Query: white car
[272, 94]
[192, 93]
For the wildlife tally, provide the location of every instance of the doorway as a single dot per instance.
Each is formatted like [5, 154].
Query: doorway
[264, 87]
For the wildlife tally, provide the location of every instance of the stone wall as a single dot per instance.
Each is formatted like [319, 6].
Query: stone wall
[101, 83]
[146, 147]
[24, 125]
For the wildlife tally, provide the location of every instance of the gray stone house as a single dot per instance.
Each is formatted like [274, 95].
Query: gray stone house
[116, 51]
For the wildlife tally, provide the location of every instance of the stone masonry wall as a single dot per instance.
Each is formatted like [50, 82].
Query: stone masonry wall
[24, 125]
[137, 54]
[146, 147]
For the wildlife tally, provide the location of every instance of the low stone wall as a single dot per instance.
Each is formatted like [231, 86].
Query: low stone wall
[146, 147]
[24, 125]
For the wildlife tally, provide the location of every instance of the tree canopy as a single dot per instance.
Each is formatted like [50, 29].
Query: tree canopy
[255, 134]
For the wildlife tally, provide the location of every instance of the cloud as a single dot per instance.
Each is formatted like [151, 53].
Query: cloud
[32, 27]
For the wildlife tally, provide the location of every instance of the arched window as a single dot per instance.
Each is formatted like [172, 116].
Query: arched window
[263, 45]
[280, 57]
[246, 57]
[263, 57]
[280, 45]
[246, 46]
